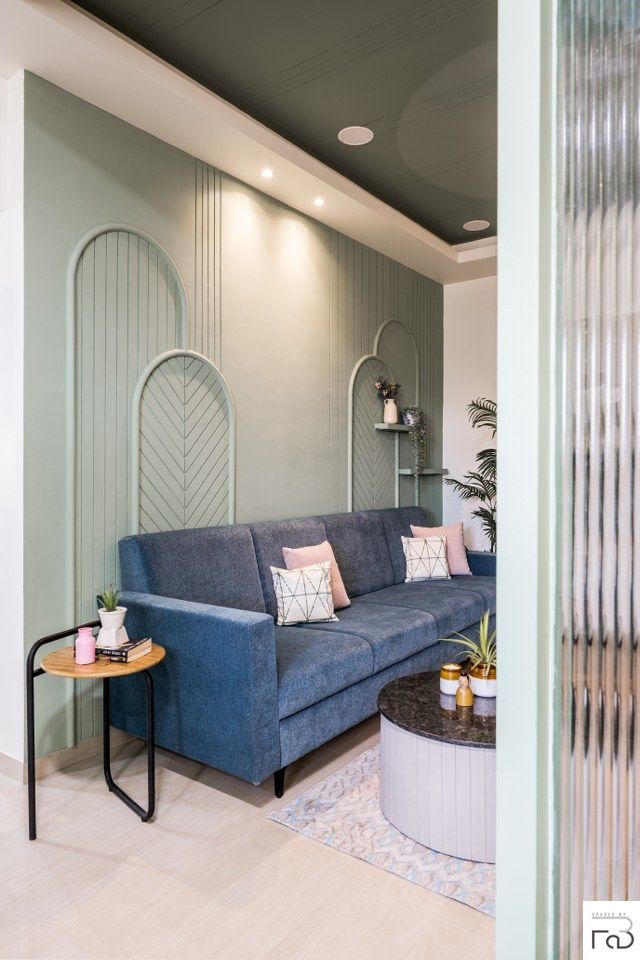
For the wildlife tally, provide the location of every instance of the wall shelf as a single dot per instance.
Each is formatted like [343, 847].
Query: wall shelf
[395, 427]
[408, 472]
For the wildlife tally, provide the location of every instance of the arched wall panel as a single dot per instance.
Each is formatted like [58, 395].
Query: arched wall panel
[182, 472]
[373, 473]
[396, 344]
[128, 305]
[367, 290]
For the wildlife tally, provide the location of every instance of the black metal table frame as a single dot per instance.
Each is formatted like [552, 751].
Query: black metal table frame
[33, 672]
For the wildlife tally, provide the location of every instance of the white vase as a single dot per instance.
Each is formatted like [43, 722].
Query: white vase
[390, 411]
[112, 633]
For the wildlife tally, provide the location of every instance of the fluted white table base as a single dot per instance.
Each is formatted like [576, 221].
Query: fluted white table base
[440, 794]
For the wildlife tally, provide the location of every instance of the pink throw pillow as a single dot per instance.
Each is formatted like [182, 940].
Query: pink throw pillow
[297, 557]
[456, 553]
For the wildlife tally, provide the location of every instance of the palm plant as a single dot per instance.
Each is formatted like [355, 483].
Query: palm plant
[483, 652]
[481, 484]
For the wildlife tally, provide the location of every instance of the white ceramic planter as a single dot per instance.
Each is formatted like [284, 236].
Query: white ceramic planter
[112, 619]
[448, 687]
[483, 688]
[112, 633]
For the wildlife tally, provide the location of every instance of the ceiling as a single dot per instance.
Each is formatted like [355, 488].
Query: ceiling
[422, 76]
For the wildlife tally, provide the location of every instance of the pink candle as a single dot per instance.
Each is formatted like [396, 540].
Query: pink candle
[85, 645]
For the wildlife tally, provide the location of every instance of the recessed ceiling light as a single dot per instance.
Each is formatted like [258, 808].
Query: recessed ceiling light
[474, 226]
[319, 202]
[267, 173]
[355, 136]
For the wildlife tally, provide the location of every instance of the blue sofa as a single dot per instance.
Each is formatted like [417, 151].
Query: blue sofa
[246, 696]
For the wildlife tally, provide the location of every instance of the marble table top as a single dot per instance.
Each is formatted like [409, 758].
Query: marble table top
[416, 704]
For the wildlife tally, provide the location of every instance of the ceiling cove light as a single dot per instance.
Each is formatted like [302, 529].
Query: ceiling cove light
[474, 226]
[355, 136]
[267, 173]
[319, 202]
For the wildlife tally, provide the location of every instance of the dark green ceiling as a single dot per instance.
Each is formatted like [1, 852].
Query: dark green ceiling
[422, 75]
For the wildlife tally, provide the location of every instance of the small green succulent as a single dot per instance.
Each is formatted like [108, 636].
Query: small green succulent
[109, 598]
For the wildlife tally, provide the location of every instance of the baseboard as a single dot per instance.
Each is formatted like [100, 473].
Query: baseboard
[85, 750]
[12, 768]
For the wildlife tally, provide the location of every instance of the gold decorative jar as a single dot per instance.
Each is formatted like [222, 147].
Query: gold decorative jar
[450, 678]
[464, 694]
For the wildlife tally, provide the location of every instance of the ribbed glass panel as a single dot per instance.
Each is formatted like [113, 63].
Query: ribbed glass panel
[599, 117]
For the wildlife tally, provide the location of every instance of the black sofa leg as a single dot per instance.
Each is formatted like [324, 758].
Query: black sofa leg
[278, 782]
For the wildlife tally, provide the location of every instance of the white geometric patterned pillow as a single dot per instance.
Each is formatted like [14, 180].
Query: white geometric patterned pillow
[304, 595]
[426, 558]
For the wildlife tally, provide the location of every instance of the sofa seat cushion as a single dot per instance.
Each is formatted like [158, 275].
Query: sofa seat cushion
[313, 664]
[452, 604]
[392, 632]
[485, 586]
[360, 545]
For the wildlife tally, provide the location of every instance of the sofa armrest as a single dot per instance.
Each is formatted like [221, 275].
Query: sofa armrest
[482, 563]
[216, 690]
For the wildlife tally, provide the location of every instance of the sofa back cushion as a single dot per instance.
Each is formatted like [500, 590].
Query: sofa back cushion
[396, 522]
[360, 546]
[270, 536]
[207, 565]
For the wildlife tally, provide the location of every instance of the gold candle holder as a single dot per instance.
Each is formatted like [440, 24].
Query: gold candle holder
[450, 678]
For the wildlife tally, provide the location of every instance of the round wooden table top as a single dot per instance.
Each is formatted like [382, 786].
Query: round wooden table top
[62, 664]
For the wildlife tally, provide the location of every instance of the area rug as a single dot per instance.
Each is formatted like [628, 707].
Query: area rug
[344, 812]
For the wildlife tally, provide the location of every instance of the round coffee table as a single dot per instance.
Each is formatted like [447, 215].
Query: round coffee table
[438, 767]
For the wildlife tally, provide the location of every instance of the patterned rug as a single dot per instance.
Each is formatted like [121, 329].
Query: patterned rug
[344, 812]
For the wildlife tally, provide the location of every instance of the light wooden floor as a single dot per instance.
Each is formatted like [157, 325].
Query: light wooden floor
[210, 878]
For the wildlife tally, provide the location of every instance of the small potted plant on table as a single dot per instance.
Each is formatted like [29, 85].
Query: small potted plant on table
[112, 632]
[483, 654]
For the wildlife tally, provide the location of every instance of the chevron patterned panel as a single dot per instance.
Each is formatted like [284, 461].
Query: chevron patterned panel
[129, 306]
[184, 478]
[373, 451]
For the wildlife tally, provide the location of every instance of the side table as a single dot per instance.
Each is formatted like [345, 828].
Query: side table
[61, 663]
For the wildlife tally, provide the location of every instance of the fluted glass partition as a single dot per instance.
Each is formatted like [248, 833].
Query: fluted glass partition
[599, 244]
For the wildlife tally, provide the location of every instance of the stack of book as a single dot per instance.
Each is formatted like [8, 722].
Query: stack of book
[127, 652]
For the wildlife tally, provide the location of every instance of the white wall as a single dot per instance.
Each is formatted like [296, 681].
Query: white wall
[470, 351]
[11, 448]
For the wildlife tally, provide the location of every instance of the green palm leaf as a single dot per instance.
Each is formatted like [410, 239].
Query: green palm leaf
[486, 460]
[481, 484]
[483, 413]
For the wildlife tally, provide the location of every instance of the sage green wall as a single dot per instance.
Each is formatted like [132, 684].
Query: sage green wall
[282, 304]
